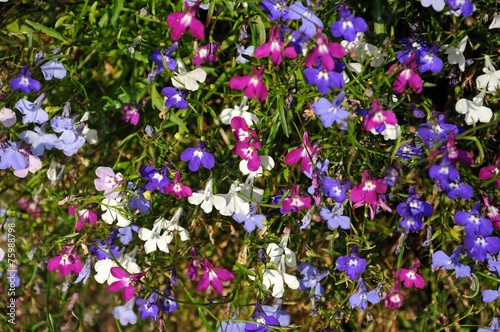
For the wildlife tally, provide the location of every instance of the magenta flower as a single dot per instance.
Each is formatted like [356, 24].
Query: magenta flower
[326, 51]
[295, 202]
[246, 146]
[107, 181]
[84, 215]
[179, 22]
[489, 172]
[213, 277]
[252, 84]
[132, 114]
[66, 262]
[206, 53]
[369, 192]
[410, 277]
[303, 153]
[125, 281]
[378, 118]
[275, 48]
[394, 299]
[406, 77]
[177, 188]
[241, 132]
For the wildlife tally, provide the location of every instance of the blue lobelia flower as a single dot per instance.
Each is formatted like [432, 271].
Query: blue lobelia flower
[39, 140]
[311, 279]
[362, 297]
[32, 112]
[175, 97]
[275, 9]
[125, 313]
[198, 156]
[348, 25]
[493, 327]
[310, 22]
[440, 259]
[473, 221]
[139, 202]
[251, 220]
[334, 218]
[10, 156]
[24, 82]
[148, 307]
[330, 113]
[352, 265]
[157, 178]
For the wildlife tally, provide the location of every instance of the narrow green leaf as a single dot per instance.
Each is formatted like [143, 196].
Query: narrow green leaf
[48, 31]
[117, 8]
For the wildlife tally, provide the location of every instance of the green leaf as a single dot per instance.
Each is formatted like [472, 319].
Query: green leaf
[117, 8]
[48, 31]
[175, 119]
[156, 99]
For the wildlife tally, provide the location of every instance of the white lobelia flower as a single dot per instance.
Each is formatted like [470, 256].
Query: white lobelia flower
[207, 199]
[172, 227]
[474, 110]
[438, 5]
[495, 23]
[277, 279]
[188, 80]
[228, 113]
[250, 192]
[103, 269]
[281, 256]
[244, 51]
[455, 54]
[154, 239]
[390, 132]
[114, 210]
[234, 203]
[491, 77]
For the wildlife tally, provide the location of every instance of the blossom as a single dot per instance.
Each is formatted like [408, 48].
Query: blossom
[394, 299]
[148, 307]
[493, 327]
[234, 203]
[85, 272]
[114, 211]
[474, 222]
[303, 153]
[39, 140]
[177, 188]
[326, 52]
[331, 113]
[213, 277]
[132, 114]
[406, 77]
[378, 118]
[310, 22]
[228, 114]
[206, 53]
[311, 279]
[490, 295]
[480, 244]
[352, 265]
[180, 22]
[139, 202]
[495, 22]
[334, 218]
[275, 48]
[435, 132]
[369, 193]
[125, 313]
[440, 259]
[252, 84]
[251, 220]
[125, 281]
[437, 5]
[295, 202]
[427, 59]
[198, 156]
[164, 57]
[107, 181]
[11, 156]
[66, 262]
[24, 82]
[474, 110]
[276, 9]
[362, 297]
[242, 50]
[455, 54]
[7, 117]
[188, 80]
[348, 25]
[263, 319]
[491, 77]
[207, 199]
[53, 68]
[175, 98]
[410, 277]
[84, 215]
[323, 79]
[463, 7]
[168, 303]
[157, 178]
[32, 111]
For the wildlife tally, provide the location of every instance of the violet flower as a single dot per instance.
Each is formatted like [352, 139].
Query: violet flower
[348, 25]
[24, 82]
[107, 181]
[333, 112]
[352, 265]
[440, 259]
[165, 57]
[295, 202]
[32, 111]
[175, 97]
[251, 220]
[148, 307]
[362, 297]
[326, 51]
[198, 156]
[311, 279]
[275, 9]
[157, 178]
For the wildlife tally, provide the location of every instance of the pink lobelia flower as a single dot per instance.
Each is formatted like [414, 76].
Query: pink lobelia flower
[125, 281]
[406, 76]
[326, 51]
[179, 22]
[252, 84]
[394, 299]
[274, 48]
[368, 192]
[213, 277]
[295, 202]
[410, 277]
[177, 188]
[66, 262]
[378, 118]
[303, 153]
[488, 172]
[84, 215]
[246, 146]
[107, 181]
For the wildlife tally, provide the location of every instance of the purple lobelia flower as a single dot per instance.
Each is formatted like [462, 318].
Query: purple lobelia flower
[24, 82]
[175, 97]
[275, 9]
[409, 277]
[335, 189]
[377, 118]
[493, 327]
[157, 178]
[264, 319]
[352, 265]
[433, 133]
[295, 202]
[168, 303]
[473, 221]
[198, 156]
[348, 25]
[456, 189]
[132, 114]
[323, 79]
[310, 22]
[39, 140]
[148, 307]
[490, 295]
[464, 7]
[331, 113]
[427, 59]
[139, 203]
[440, 259]
[335, 217]
[164, 57]
[362, 297]
[32, 111]
[480, 244]
[105, 249]
[412, 211]
[311, 279]
[409, 151]
[10, 156]
[206, 53]
[303, 154]
[252, 220]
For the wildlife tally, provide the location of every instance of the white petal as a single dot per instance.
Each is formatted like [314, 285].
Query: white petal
[291, 281]
[495, 24]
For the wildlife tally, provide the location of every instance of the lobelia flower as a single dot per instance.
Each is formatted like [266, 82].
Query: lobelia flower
[148, 307]
[369, 192]
[207, 199]
[38, 140]
[323, 79]
[427, 59]
[107, 181]
[125, 234]
[394, 299]
[275, 48]
[474, 222]
[84, 215]
[335, 189]
[410, 277]
[433, 133]
[67, 262]
[474, 110]
[406, 77]
[461, 7]
[176, 188]
[175, 98]
[53, 68]
[168, 302]
[198, 156]
[252, 84]
[251, 220]
[331, 113]
[295, 202]
[157, 178]
[326, 51]
[377, 118]
[125, 313]
[334, 218]
[493, 327]
[132, 114]
[490, 80]
[455, 54]
[139, 202]
[348, 25]
[32, 111]
[213, 277]
[311, 279]
[492, 211]
[490, 295]
[352, 265]
[234, 203]
[114, 210]
[11, 156]
[85, 272]
[437, 5]
[440, 259]
[265, 321]
[495, 22]
[228, 114]
[180, 22]
[125, 281]
[412, 211]
[310, 22]
[303, 153]
[206, 53]
[188, 80]
[164, 58]
[276, 9]
[362, 297]
[489, 172]
[24, 82]
[480, 244]
[241, 50]
[34, 164]
[7, 117]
